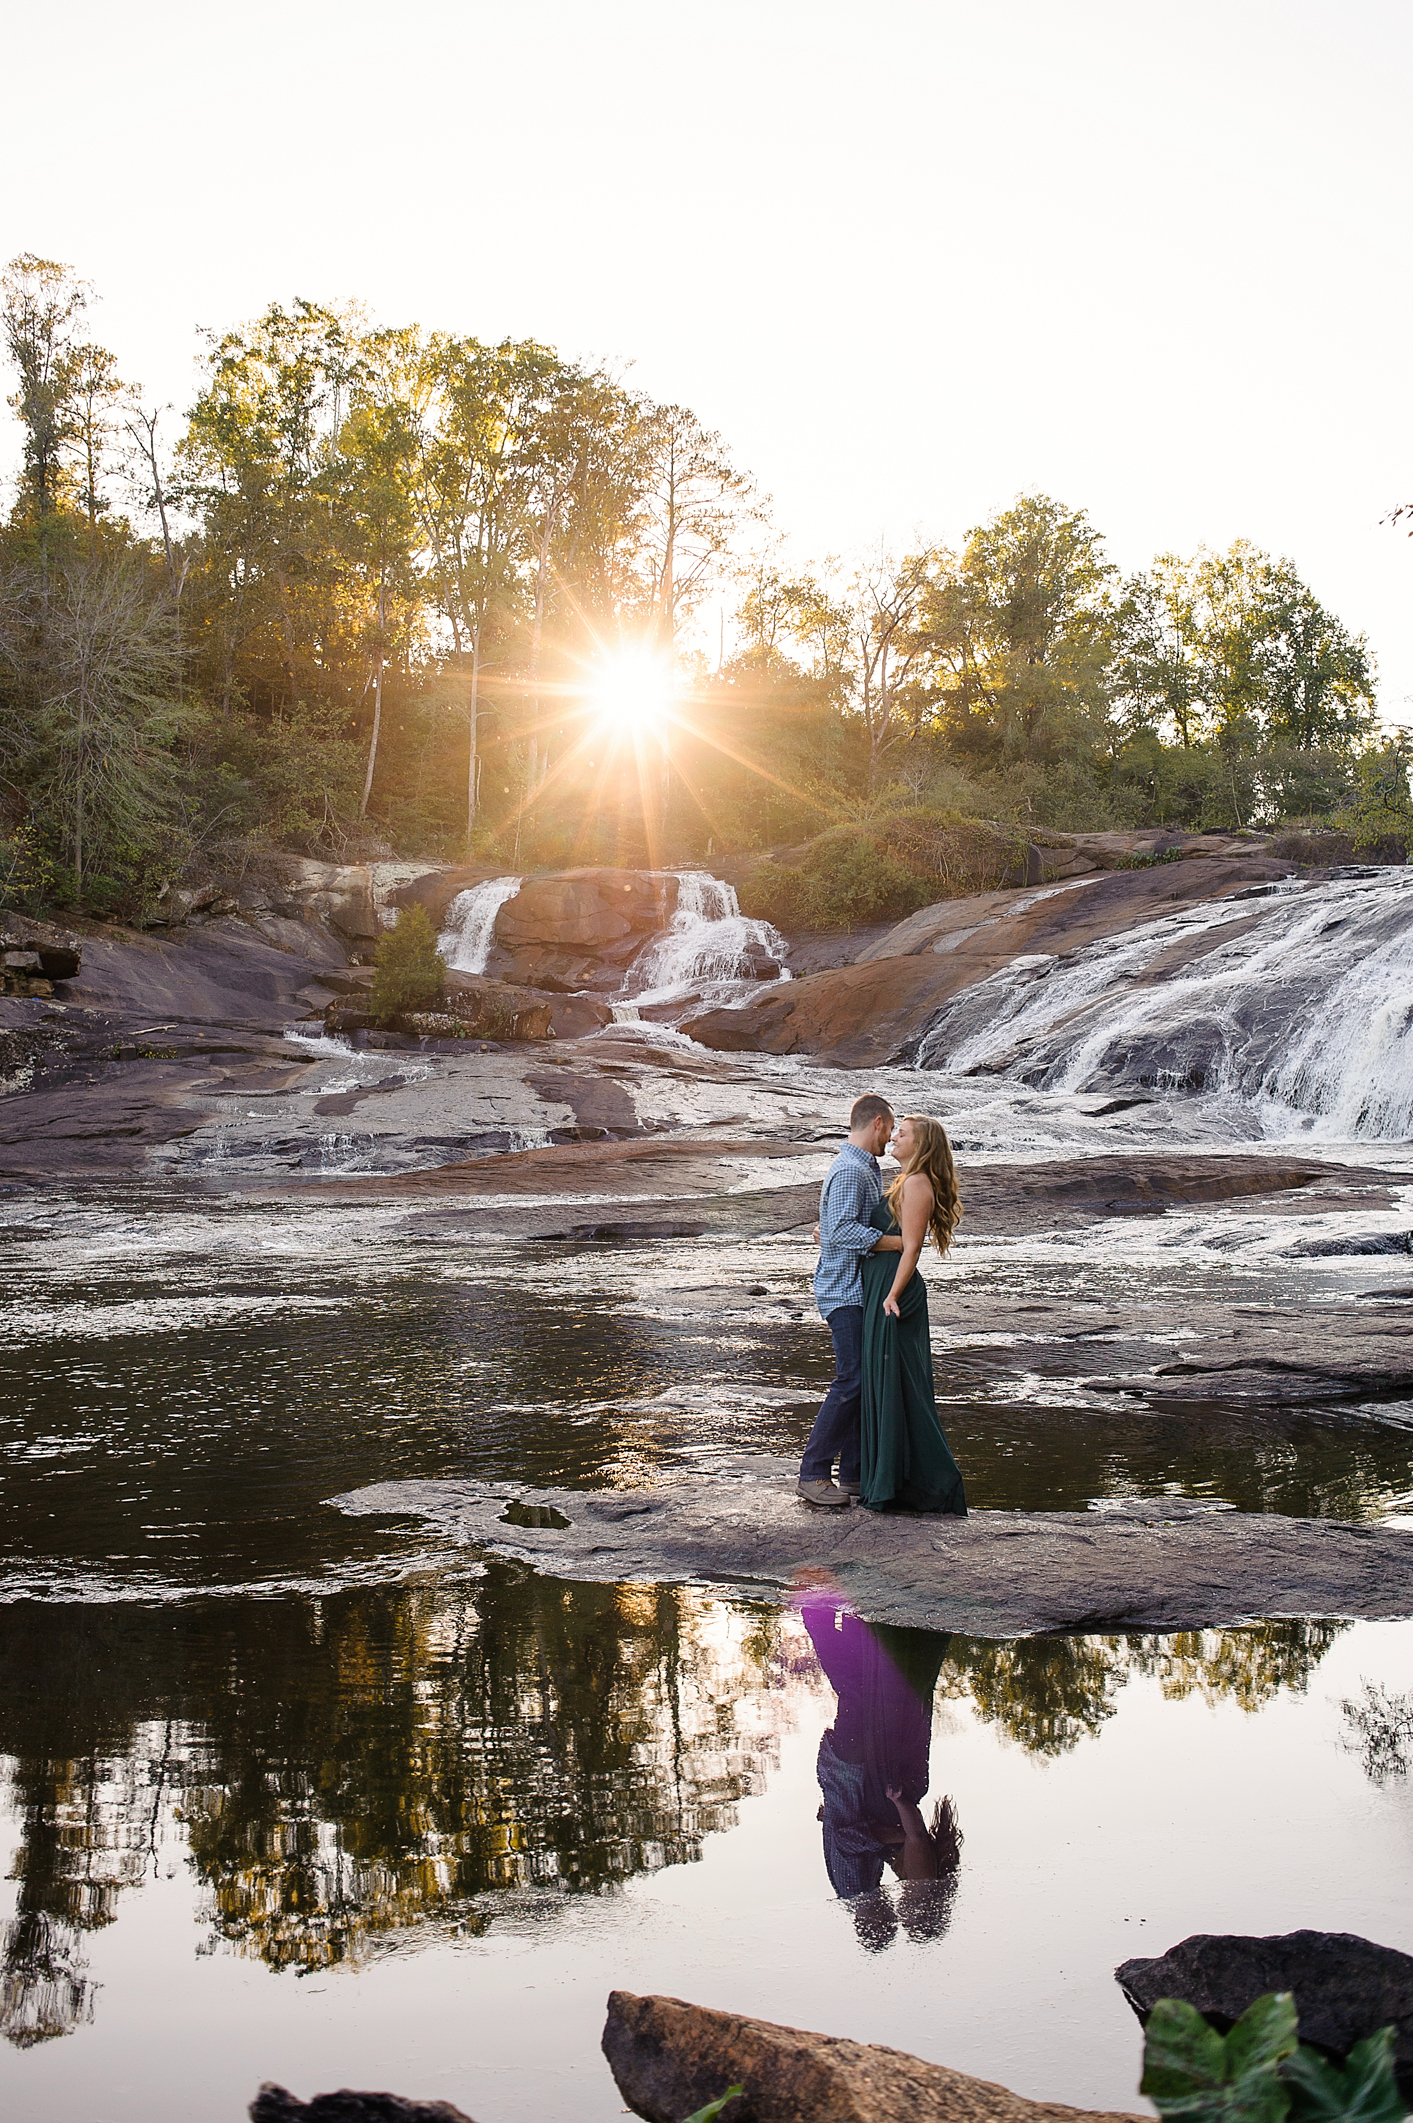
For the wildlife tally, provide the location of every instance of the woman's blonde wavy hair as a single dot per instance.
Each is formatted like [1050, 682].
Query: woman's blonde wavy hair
[933, 1158]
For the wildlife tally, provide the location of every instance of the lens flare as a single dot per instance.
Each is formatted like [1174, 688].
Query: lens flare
[631, 692]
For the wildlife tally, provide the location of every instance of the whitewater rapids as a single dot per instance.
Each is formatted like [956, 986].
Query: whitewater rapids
[1295, 998]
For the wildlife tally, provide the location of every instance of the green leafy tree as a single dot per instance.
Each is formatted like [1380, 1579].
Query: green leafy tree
[1234, 644]
[479, 405]
[890, 643]
[1022, 628]
[693, 504]
[41, 305]
[255, 462]
[374, 519]
[410, 971]
[93, 663]
[94, 396]
[1380, 815]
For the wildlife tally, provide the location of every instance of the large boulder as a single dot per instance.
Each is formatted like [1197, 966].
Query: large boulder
[670, 2058]
[581, 928]
[343, 897]
[586, 907]
[556, 910]
[285, 898]
[177, 905]
[475, 1007]
[573, 930]
[1344, 1987]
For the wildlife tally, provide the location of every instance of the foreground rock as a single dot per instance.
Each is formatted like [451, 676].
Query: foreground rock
[1345, 1987]
[859, 1015]
[1150, 1564]
[669, 2059]
[274, 2105]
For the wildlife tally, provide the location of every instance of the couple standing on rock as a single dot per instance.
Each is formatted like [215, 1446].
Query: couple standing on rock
[879, 1417]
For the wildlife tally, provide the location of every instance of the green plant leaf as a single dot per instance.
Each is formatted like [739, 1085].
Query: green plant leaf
[713, 2109]
[1194, 2075]
[1361, 2090]
[1266, 2033]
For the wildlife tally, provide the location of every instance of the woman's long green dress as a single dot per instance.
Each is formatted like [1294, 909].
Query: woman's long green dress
[907, 1462]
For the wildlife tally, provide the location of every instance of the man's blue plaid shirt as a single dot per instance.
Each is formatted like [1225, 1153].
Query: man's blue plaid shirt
[853, 1187]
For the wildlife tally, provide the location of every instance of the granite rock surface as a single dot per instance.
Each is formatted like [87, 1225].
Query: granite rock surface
[867, 1012]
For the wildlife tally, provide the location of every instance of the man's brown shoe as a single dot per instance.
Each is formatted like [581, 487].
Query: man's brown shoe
[824, 1495]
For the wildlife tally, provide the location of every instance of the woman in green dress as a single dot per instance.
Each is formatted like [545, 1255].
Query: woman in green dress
[907, 1464]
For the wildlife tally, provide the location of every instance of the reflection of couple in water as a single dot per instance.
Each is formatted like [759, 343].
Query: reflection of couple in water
[873, 1773]
[879, 1417]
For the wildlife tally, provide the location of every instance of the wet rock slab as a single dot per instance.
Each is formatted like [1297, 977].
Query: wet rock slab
[670, 2058]
[1150, 1564]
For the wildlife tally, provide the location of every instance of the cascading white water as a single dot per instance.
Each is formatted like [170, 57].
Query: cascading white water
[1297, 998]
[709, 945]
[465, 941]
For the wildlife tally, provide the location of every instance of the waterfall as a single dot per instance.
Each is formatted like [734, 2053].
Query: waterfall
[465, 941]
[1295, 997]
[708, 945]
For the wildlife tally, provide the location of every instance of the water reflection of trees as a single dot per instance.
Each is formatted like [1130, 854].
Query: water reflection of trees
[341, 1772]
[1048, 1693]
[350, 1768]
[1379, 1728]
[546, 1737]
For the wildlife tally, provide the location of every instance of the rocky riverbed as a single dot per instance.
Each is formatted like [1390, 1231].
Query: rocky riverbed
[1140, 1263]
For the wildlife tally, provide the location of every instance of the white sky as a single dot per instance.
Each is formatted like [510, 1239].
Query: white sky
[1150, 256]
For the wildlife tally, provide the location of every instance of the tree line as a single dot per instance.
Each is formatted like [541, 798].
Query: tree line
[363, 592]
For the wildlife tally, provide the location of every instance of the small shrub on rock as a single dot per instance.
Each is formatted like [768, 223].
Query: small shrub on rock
[1314, 844]
[853, 876]
[409, 970]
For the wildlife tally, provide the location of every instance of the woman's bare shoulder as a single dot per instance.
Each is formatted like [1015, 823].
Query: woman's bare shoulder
[917, 1184]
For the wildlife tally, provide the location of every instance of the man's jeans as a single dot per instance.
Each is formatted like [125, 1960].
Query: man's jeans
[836, 1427]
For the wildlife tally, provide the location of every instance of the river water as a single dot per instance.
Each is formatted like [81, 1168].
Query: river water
[293, 1794]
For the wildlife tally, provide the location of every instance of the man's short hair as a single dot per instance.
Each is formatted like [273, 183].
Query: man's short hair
[869, 1108]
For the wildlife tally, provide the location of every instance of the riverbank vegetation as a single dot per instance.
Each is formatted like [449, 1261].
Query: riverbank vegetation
[391, 589]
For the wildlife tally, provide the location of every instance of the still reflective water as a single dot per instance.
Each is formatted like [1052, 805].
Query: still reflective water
[411, 1836]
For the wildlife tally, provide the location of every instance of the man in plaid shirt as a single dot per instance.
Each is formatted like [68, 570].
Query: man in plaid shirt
[852, 1188]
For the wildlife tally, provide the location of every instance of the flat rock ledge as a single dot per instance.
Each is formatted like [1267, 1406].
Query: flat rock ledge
[1148, 1564]
[670, 2058]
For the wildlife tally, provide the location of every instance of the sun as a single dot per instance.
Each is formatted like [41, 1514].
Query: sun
[631, 692]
